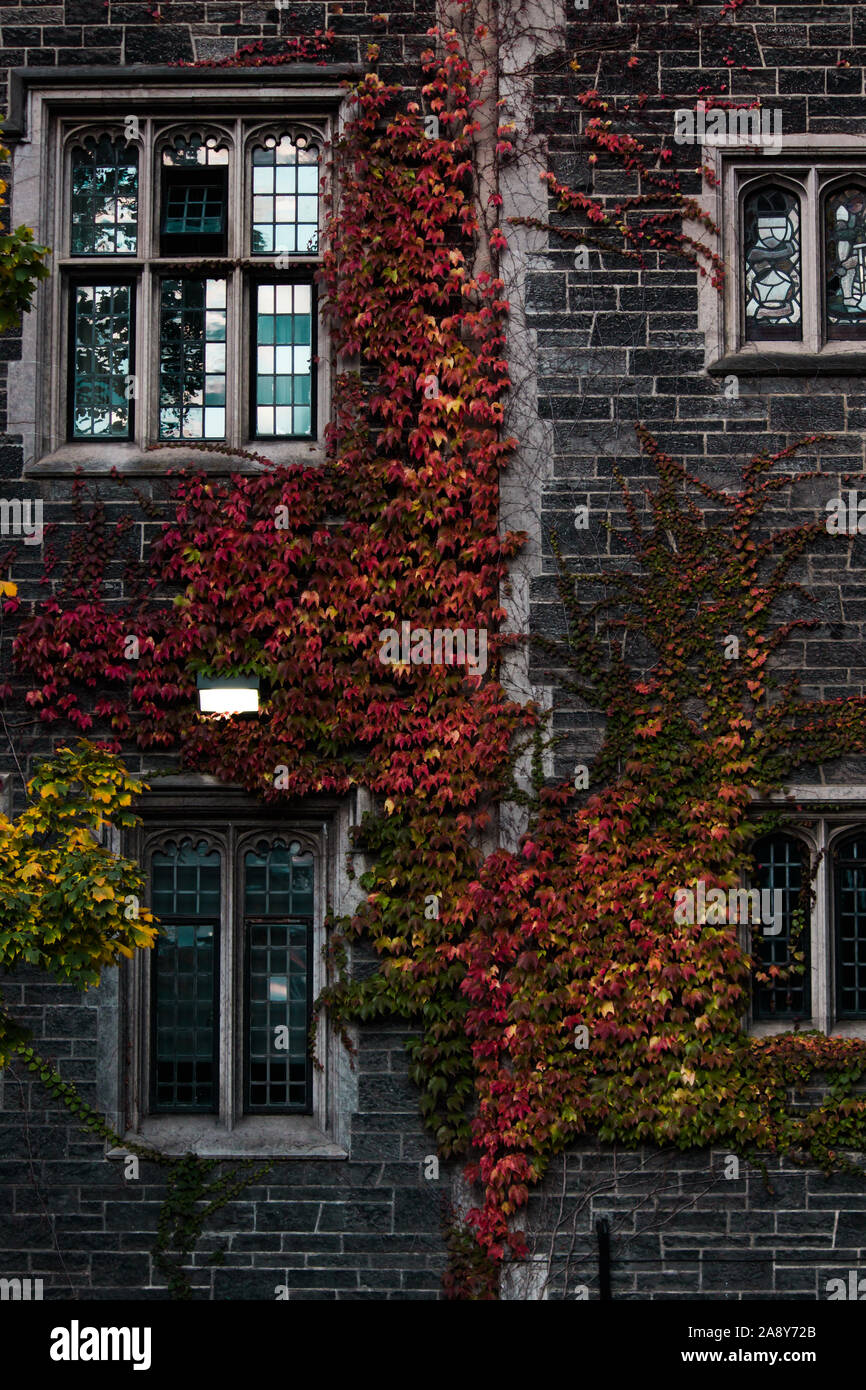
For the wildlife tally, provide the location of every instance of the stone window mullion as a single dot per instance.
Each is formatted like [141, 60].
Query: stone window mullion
[822, 955]
[811, 259]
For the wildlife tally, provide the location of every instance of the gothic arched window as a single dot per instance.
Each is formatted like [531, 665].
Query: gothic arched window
[285, 196]
[104, 197]
[773, 305]
[845, 252]
[186, 898]
[278, 933]
[231, 989]
[780, 867]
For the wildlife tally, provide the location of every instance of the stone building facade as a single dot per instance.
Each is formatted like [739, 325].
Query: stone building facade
[351, 1208]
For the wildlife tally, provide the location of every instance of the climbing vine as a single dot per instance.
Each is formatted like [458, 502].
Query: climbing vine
[22, 265]
[189, 1199]
[68, 905]
[592, 1008]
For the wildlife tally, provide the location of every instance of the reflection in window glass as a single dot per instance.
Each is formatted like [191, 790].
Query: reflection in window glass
[104, 199]
[285, 198]
[772, 264]
[185, 894]
[192, 377]
[284, 371]
[846, 263]
[101, 353]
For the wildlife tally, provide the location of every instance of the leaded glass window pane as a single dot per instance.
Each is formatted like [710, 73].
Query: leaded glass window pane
[104, 199]
[846, 263]
[284, 370]
[101, 339]
[285, 197]
[192, 375]
[779, 865]
[278, 899]
[194, 209]
[278, 880]
[772, 264]
[850, 868]
[185, 896]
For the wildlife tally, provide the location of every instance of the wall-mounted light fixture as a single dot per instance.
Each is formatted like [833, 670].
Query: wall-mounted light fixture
[228, 694]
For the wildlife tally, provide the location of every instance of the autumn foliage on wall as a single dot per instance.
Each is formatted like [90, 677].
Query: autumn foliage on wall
[593, 1010]
[292, 573]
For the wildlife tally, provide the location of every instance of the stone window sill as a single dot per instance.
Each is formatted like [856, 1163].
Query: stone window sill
[771, 1028]
[254, 1136]
[133, 459]
[843, 1028]
[764, 361]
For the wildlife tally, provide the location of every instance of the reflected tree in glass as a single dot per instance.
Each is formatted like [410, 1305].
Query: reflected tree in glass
[104, 202]
[101, 361]
[192, 376]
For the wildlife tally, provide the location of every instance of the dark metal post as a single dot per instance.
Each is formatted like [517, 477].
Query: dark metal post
[602, 1230]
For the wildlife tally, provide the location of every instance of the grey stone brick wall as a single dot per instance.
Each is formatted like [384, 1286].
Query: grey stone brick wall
[617, 344]
[680, 1229]
[363, 1228]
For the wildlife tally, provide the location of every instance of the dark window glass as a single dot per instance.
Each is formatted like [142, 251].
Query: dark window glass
[104, 198]
[278, 905]
[100, 405]
[194, 213]
[772, 264]
[192, 372]
[850, 896]
[185, 896]
[283, 360]
[194, 209]
[846, 263]
[780, 865]
[194, 197]
[285, 198]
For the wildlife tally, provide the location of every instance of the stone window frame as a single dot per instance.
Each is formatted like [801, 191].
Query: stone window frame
[826, 816]
[48, 106]
[229, 818]
[809, 165]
